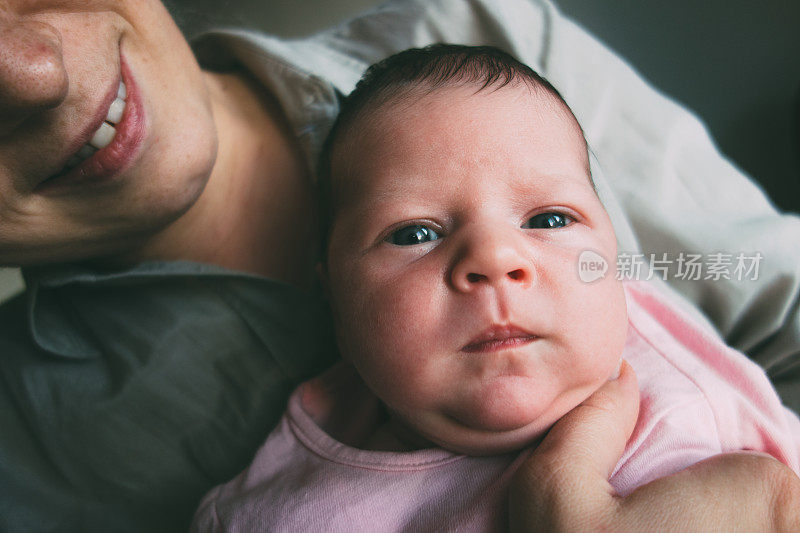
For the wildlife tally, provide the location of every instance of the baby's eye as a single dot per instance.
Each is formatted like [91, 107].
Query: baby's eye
[548, 221]
[411, 235]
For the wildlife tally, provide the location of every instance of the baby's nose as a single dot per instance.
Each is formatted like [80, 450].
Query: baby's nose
[492, 262]
[32, 73]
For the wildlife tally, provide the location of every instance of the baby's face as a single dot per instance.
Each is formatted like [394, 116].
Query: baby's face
[452, 266]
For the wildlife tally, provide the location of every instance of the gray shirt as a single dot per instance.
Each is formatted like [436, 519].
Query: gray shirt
[126, 395]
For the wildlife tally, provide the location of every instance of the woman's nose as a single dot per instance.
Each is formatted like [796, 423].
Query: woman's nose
[32, 73]
[492, 260]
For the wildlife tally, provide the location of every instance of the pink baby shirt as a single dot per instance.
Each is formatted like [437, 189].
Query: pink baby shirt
[699, 398]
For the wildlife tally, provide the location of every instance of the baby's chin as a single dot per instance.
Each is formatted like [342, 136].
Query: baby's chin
[478, 443]
[489, 437]
[499, 423]
[507, 416]
[508, 420]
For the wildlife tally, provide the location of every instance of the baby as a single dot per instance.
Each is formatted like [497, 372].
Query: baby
[458, 199]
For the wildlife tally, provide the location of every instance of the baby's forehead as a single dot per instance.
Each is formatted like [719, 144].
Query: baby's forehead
[522, 94]
[401, 113]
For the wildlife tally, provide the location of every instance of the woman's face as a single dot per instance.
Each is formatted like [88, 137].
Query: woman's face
[88, 168]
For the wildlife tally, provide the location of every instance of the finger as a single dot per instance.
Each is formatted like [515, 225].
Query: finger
[592, 437]
[564, 484]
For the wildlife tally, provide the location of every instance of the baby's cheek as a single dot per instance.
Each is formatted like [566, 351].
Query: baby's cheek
[391, 336]
[595, 325]
[611, 326]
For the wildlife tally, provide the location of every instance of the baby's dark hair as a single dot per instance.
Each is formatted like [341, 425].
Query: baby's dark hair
[427, 69]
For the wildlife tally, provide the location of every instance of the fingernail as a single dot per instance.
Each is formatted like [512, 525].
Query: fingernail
[616, 373]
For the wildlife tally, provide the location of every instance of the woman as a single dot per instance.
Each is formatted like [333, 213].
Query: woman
[162, 213]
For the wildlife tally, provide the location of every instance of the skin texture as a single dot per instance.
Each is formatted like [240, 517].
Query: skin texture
[475, 168]
[172, 200]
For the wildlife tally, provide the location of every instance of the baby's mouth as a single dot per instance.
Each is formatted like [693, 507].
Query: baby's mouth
[498, 338]
[103, 136]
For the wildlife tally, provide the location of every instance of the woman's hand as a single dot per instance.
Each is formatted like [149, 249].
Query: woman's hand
[564, 485]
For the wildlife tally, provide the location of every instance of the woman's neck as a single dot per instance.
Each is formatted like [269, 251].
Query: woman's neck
[256, 211]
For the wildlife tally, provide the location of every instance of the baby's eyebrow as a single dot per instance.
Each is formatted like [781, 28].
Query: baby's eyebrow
[398, 191]
[547, 182]
[366, 210]
[375, 202]
[385, 208]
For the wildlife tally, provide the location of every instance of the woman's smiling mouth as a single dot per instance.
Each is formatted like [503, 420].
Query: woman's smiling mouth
[112, 142]
[105, 133]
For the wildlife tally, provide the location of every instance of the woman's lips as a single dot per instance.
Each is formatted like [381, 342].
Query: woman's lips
[497, 338]
[117, 154]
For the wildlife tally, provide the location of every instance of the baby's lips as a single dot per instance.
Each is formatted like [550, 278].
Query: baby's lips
[497, 333]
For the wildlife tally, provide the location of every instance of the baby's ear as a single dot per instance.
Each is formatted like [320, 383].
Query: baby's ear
[322, 275]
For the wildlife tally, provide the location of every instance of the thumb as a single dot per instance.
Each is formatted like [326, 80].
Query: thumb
[595, 433]
[566, 477]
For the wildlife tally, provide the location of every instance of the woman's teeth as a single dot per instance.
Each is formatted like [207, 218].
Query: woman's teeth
[105, 133]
